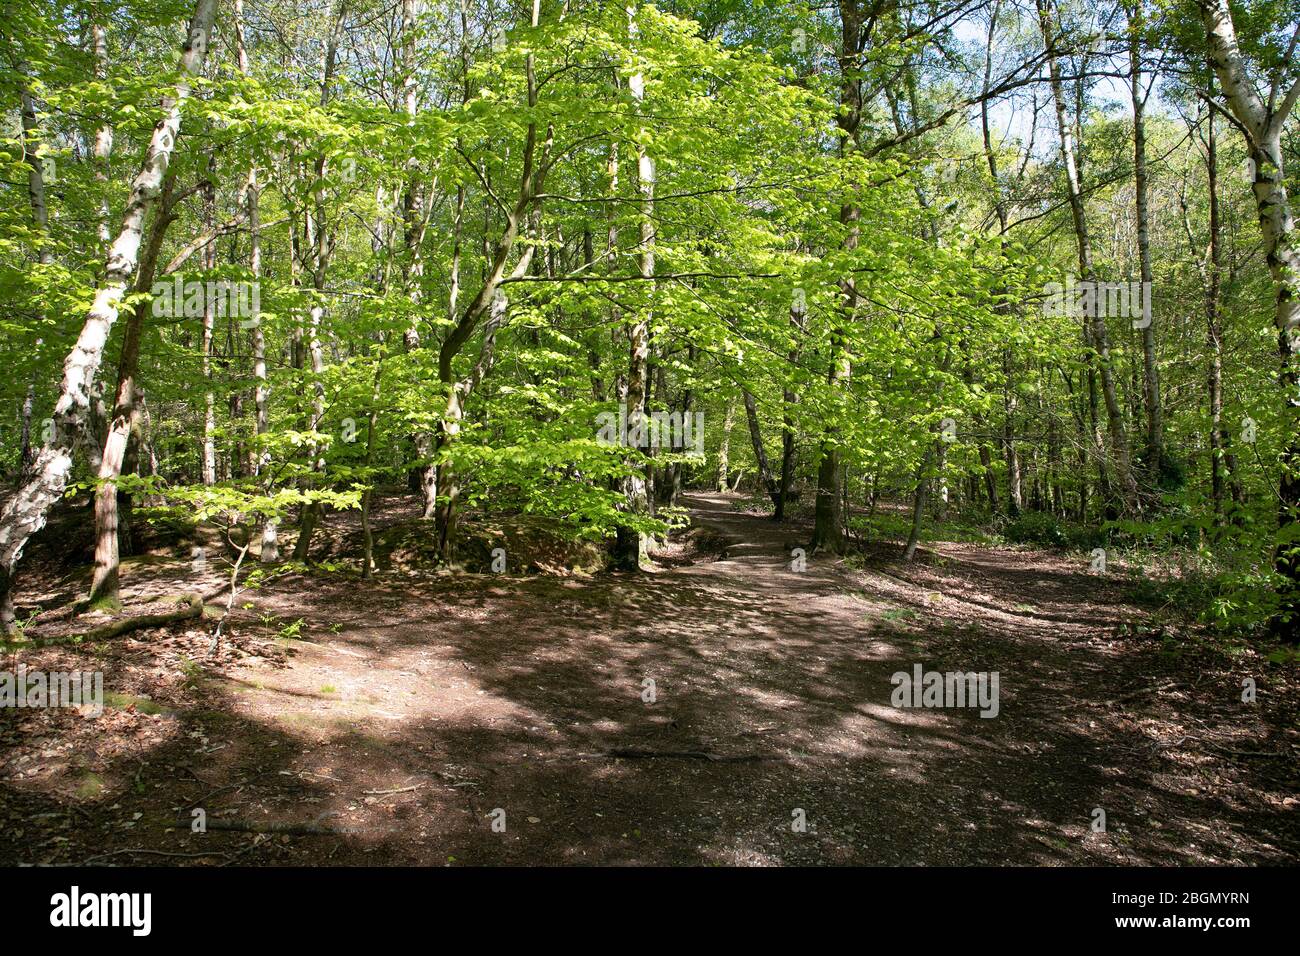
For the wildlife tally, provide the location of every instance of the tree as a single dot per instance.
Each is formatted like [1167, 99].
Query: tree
[1261, 121]
[26, 511]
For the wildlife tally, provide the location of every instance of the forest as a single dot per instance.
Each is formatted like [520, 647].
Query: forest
[694, 432]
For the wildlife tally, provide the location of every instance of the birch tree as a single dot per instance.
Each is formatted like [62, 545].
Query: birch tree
[1261, 120]
[25, 513]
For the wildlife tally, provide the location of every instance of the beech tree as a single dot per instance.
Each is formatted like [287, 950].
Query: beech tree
[479, 233]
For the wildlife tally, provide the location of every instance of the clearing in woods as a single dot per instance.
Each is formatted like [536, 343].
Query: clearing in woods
[403, 715]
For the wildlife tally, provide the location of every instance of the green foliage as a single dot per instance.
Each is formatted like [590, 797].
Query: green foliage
[917, 253]
[1037, 528]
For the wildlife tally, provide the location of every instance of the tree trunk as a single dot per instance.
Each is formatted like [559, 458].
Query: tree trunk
[1011, 454]
[126, 421]
[27, 454]
[320, 242]
[1221, 457]
[788, 400]
[1096, 323]
[918, 503]
[110, 517]
[1151, 371]
[26, 511]
[270, 550]
[760, 452]
[209, 330]
[367, 534]
[458, 394]
[310, 514]
[45, 254]
[412, 236]
[1263, 123]
[489, 301]
[828, 515]
[630, 545]
[724, 450]
[104, 135]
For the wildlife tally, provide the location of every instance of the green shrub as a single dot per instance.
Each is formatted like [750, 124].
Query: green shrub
[1035, 527]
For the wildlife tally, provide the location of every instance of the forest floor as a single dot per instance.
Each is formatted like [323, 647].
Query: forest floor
[391, 721]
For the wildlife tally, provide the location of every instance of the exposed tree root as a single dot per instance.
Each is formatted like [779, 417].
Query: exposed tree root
[193, 609]
[79, 607]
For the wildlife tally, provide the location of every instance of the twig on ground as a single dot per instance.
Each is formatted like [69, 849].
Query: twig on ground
[1162, 686]
[633, 754]
[378, 793]
[104, 856]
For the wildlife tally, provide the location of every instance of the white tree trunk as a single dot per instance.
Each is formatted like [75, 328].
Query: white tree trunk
[1263, 122]
[209, 330]
[631, 546]
[104, 135]
[25, 513]
[262, 392]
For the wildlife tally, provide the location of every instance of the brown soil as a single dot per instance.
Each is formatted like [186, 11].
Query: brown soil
[391, 724]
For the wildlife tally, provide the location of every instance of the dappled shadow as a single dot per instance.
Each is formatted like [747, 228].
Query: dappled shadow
[418, 706]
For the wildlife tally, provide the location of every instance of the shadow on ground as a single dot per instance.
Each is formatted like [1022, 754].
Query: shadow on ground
[417, 708]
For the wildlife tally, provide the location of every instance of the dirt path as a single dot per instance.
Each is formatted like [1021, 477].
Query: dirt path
[415, 708]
